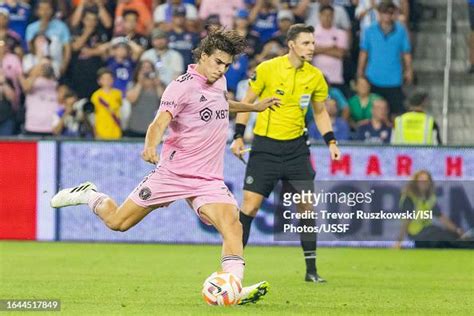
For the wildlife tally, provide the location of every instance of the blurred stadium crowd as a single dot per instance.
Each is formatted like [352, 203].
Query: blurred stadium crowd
[97, 68]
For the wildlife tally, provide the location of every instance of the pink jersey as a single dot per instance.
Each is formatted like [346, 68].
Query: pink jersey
[197, 136]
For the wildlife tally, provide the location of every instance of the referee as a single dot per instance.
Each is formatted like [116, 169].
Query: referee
[279, 150]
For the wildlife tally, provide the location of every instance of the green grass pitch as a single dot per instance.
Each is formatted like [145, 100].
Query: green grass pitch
[148, 279]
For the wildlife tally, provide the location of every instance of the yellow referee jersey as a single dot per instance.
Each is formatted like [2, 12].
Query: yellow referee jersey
[296, 88]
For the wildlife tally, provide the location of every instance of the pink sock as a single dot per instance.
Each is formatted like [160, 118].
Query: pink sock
[95, 198]
[233, 264]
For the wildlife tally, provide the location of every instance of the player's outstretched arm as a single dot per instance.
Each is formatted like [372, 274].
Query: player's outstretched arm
[154, 135]
[235, 106]
[241, 120]
[323, 122]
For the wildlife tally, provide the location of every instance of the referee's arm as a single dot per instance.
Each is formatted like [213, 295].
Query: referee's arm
[323, 122]
[321, 117]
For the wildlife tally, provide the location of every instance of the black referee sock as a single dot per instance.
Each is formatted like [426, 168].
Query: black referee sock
[246, 222]
[308, 243]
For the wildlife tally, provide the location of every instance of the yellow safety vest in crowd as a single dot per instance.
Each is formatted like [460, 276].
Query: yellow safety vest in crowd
[296, 88]
[414, 128]
[420, 206]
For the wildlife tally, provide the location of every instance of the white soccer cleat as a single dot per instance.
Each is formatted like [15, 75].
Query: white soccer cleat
[253, 293]
[73, 196]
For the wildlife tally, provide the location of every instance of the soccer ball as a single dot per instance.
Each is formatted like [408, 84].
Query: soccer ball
[222, 288]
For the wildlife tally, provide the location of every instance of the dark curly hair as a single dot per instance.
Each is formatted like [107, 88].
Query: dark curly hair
[228, 41]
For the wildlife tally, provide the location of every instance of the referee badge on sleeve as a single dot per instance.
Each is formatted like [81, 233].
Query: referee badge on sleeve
[304, 100]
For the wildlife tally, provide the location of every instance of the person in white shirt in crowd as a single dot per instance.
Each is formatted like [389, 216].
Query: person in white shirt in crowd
[163, 14]
[168, 62]
[341, 18]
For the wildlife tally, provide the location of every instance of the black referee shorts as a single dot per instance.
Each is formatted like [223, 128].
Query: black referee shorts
[272, 160]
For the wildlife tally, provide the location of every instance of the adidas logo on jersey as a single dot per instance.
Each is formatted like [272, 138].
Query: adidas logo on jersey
[203, 99]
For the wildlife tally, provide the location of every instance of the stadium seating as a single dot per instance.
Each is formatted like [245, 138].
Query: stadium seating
[429, 62]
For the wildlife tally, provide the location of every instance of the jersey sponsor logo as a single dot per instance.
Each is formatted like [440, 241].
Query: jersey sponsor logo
[202, 99]
[222, 114]
[145, 193]
[170, 104]
[280, 92]
[206, 114]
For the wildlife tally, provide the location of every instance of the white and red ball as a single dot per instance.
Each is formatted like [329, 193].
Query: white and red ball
[222, 288]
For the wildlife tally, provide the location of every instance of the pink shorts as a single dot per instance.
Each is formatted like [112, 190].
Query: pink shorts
[162, 187]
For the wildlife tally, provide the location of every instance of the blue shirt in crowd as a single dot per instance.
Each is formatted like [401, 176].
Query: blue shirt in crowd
[384, 64]
[237, 71]
[123, 72]
[265, 25]
[369, 134]
[19, 17]
[184, 43]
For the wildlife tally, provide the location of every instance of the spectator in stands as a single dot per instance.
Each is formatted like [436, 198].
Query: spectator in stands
[107, 102]
[13, 40]
[376, 130]
[339, 125]
[68, 120]
[163, 14]
[361, 104]
[420, 195]
[226, 12]
[40, 47]
[263, 18]
[285, 20]
[11, 68]
[341, 18]
[293, 6]
[121, 62]
[62, 90]
[57, 32]
[471, 36]
[168, 62]
[341, 101]
[243, 84]
[237, 72]
[181, 40]
[20, 15]
[366, 12]
[145, 96]
[86, 56]
[416, 127]
[242, 26]
[144, 25]
[7, 113]
[382, 49]
[102, 8]
[331, 47]
[277, 43]
[41, 100]
[130, 31]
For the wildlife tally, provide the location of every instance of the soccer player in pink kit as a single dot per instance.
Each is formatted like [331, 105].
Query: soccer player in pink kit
[195, 109]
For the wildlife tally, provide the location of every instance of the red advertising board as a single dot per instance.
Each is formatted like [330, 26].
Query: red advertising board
[18, 179]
